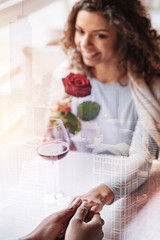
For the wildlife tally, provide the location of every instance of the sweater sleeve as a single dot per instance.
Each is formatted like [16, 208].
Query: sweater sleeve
[134, 169]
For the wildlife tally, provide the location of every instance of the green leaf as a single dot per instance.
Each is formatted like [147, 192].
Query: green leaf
[65, 121]
[59, 115]
[74, 129]
[71, 118]
[88, 110]
[73, 123]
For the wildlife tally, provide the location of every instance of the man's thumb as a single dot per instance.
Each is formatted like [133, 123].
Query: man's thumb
[82, 211]
[65, 214]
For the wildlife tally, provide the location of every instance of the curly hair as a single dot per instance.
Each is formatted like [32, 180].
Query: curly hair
[138, 42]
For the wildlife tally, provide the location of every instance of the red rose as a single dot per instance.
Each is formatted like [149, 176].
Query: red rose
[77, 85]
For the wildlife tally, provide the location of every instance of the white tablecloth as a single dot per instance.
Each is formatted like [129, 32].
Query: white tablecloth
[25, 178]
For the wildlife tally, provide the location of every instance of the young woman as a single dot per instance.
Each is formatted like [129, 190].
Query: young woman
[113, 43]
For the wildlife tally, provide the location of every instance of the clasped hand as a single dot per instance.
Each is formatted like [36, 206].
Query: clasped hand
[69, 224]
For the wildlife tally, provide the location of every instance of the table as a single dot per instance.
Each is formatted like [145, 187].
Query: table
[25, 178]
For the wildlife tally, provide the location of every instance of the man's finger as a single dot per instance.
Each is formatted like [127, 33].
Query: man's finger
[93, 210]
[65, 214]
[82, 211]
[97, 219]
[74, 202]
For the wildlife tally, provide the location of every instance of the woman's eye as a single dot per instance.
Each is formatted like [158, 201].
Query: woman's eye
[101, 36]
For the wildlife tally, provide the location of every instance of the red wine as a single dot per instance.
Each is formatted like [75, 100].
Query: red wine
[54, 150]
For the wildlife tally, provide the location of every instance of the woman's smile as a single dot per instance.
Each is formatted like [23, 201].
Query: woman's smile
[90, 55]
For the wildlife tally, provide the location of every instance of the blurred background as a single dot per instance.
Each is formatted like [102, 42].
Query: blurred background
[30, 32]
[30, 53]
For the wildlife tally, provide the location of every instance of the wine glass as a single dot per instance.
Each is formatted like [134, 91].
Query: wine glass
[53, 147]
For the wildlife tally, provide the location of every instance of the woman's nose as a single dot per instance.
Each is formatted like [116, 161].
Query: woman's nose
[86, 41]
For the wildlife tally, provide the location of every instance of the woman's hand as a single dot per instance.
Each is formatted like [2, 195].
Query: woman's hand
[54, 225]
[78, 229]
[97, 198]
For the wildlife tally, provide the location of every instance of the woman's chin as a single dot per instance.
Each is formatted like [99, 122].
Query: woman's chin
[89, 63]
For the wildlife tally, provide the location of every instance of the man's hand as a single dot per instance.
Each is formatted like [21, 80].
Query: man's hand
[78, 229]
[55, 224]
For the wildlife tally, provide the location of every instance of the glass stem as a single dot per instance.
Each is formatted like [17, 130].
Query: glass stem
[56, 177]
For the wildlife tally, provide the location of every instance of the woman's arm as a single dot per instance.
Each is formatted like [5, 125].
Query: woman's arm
[126, 174]
[136, 169]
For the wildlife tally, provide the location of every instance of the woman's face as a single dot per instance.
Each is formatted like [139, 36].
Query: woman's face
[95, 39]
